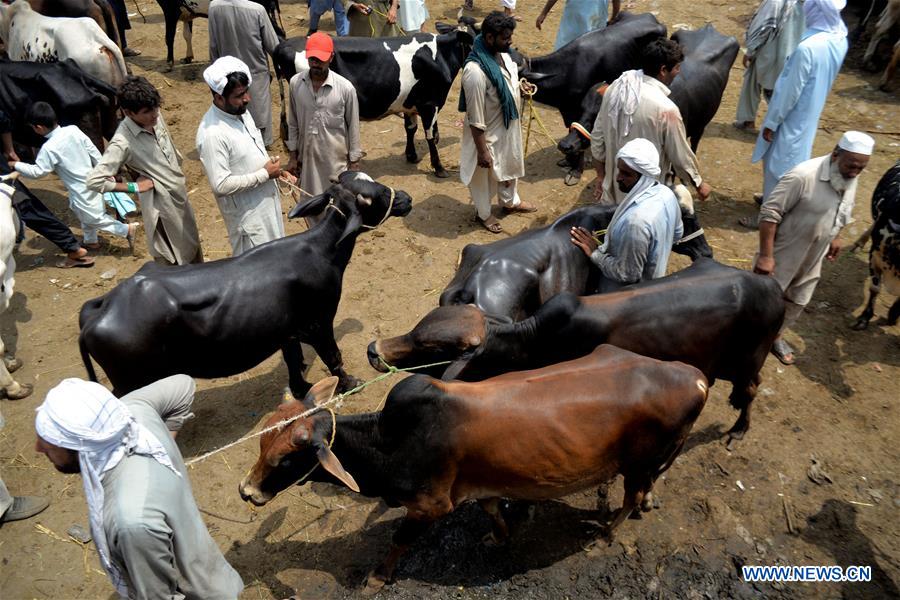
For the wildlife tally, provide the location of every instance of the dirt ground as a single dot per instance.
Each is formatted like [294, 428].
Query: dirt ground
[719, 510]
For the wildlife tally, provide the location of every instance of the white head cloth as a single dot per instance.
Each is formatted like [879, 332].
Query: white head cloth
[642, 156]
[624, 101]
[825, 15]
[216, 74]
[857, 141]
[85, 417]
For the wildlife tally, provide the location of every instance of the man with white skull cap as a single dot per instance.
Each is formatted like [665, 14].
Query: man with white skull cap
[801, 221]
[640, 235]
[234, 157]
[145, 523]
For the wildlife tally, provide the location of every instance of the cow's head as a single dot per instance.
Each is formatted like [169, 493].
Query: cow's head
[361, 201]
[579, 137]
[455, 333]
[465, 30]
[292, 451]
[693, 242]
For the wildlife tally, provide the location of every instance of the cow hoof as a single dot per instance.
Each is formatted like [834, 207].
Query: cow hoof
[187, 60]
[374, 584]
[860, 325]
[572, 178]
[13, 364]
[564, 163]
[412, 158]
[648, 503]
[22, 390]
[490, 540]
[348, 383]
[442, 173]
[732, 439]
[169, 66]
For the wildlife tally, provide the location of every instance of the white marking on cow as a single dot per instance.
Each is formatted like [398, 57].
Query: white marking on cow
[300, 62]
[363, 176]
[404, 55]
[685, 200]
[8, 227]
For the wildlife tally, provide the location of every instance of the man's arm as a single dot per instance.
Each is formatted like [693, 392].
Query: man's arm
[171, 398]
[351, 118]
[782, 199]
[474, 84]
[216, 161]
[44, 163]
[294, 142]
[598, 148]
[632, 247]
[682, 157]
[100, 179]
[269, 39]
[544, 12]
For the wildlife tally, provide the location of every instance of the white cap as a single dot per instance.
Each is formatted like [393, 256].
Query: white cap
[216, 74]
[858, 142]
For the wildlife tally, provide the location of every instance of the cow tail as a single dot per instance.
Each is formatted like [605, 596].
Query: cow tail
[117, 61]
[86, 358]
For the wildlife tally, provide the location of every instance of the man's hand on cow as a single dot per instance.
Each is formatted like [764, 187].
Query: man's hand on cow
[704, 190]
[765, 265]
[768, 135]
[143, 184]
[582, 238]
[834, 249]
[273, 167]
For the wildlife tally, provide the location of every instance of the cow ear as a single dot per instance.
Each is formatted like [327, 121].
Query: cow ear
[313, 206]
[456, 368]
[322, 391]
[331, 464]
[353, 223]
[363, 200]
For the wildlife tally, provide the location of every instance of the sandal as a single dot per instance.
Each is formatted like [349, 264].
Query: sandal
[92, 246]
[491, 224]
[749, 221]
[783, 352]
[70, 263]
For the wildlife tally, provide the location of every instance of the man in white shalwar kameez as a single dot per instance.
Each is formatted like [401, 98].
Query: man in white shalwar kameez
[323, 120]
[492, 158]
[233, 154]
[241, 28]
[637, 105]
[773, 33]
[800, 223]
[145, 524]
[792, 118]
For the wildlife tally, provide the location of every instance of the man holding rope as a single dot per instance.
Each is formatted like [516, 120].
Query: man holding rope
[145, 523]
[492, 159]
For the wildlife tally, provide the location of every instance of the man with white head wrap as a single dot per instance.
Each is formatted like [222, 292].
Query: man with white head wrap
[792, 118]
[801, 220]
[640, 235]
[234, 157]
[145, 523]
[637, 105]
[773, 33]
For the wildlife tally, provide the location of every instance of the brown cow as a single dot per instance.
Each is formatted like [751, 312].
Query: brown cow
[531, 435]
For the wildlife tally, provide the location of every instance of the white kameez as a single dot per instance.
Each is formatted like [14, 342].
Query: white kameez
[657, 119]
[412, 14]
[810, 214]
[234, 158]
[71, 155]
[483, 111]
[323, 128]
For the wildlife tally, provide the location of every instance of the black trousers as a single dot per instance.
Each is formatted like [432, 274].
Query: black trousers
[38, 217]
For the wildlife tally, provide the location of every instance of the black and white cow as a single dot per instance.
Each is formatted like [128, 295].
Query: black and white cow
[30, 36]
[408, 75]
[697, 92]
[884, 256]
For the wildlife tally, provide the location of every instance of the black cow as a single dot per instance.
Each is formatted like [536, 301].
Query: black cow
[511, 278]
[884, 256]
[697, 92]
[221, 318]
[719, 319]
[566, 75]
[77, 98]
[188, 10]
[408, 75]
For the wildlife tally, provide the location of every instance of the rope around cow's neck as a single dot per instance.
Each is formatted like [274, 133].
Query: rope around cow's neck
[334, 400]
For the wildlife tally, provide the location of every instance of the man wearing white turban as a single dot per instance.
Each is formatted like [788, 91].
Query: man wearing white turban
[234, 157]
[800, 223]
[788, 131]
[640, 235]
[148, 531]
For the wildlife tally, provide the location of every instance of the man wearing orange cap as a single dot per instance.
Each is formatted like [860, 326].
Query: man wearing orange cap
[323, 120]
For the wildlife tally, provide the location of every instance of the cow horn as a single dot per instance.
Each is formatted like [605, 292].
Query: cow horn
[363, 200]
[322, 391]
[331, 464]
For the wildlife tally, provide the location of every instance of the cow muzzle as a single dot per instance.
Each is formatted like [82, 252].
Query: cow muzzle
[375, 358]
[251, 493]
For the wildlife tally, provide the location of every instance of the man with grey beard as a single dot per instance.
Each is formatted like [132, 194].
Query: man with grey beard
[800, 223]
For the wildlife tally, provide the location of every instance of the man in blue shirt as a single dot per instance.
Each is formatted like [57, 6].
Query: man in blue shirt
[640, 235]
